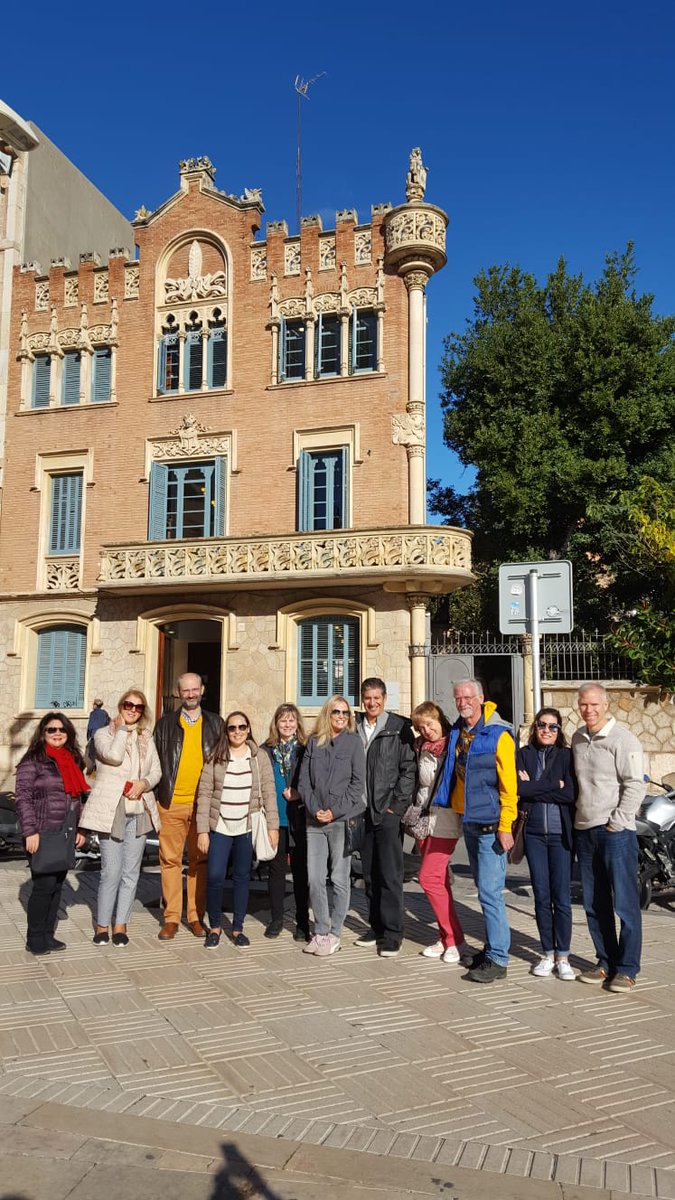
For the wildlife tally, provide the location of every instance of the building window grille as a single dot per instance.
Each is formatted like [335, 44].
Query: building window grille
[102, 377]
[70, 377]
[328, 657]
[42, 373]
[65, 514]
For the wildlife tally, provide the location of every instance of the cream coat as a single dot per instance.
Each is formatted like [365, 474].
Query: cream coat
[263, 792]
[113, 769]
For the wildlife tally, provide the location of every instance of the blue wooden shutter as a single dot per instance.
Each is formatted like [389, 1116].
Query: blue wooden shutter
[61, 661]
[304, 492]
[323, 483]
[341, 490]
[220, 497]
[70, 383]
[66, 514]
[102, 374]
[161, 367]
[159, 480]
[328, 656]
[282, 349]
[42, 369]
[193, 360]
[318, 338]
[217, 357]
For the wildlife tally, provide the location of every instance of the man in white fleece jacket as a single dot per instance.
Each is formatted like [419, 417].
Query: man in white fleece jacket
[609, 766]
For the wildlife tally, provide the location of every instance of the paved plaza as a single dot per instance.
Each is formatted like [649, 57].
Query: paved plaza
[391, 1076]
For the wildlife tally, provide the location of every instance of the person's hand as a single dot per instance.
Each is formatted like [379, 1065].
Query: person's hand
[32, 843]
[505, 839]
[562, 783]
[203, 843]
[525, 777]
[80, 839]
[136, 790]
[324, 816]
[119, 723]
[612, 829]
[291, 793]
[273, 835]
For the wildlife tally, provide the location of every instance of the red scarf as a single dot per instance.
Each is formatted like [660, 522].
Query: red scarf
[435, 748]
[74, 782]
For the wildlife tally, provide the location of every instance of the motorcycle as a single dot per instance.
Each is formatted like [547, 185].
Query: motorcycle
[655, 826]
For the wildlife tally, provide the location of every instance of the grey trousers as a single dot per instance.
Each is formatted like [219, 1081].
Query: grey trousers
[120, 868]
[324, 843]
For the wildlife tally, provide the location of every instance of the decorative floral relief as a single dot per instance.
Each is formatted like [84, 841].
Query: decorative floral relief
[362, 297]
[407, 429]
[362, 246]
[131, 282]
[416, 226]
[326, 253]
[39, 341]
[327, 302]
[70, 292]
[63, 575]
[100, 287]
[295, 307]
[69, 338]
[259, 262]
[101, 334]
[292, 258]
[196, 286]
[42, 296]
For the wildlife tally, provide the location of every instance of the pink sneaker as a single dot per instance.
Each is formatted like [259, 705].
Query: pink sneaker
[313, 946]
[328, 945]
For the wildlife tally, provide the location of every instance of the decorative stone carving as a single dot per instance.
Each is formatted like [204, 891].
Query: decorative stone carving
[38, 341]
[69, 338]
[132, 278]
[408, 226]
[293, 307]
[60, 262]
[327, 253]
[364, 297]
[191, 440]
[196, 286]
[63, 574]
[259, 262]
[252, 196]
[42, 295]
[90, 256]
[101, 283]
[327, 302]
[347, 214]
[277, 227]
[407, 429]
[188, 433]
[301, 555]
[202, 163]
[417, 600]
[100, 335]
[71, 291]
[362, 246]
[292, 258]
[142, 213]
[416, 279]
[416, 180]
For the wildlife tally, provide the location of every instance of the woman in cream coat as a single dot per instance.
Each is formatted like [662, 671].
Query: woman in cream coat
[121, 807]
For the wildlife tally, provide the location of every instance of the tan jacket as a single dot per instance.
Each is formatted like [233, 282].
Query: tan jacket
[263, 791]
[113, 769]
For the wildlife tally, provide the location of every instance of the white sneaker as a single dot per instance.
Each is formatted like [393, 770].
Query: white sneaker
[450, 955]
[544, 967]
[313, 946]
[435, 951]
[328, 945]
[564, 970]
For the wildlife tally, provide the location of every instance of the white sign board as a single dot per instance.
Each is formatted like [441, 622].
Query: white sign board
[553, 594]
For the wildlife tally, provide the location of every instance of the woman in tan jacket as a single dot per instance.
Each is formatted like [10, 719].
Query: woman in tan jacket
[235, 781]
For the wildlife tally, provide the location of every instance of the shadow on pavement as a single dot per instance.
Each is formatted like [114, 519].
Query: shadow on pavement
[238, 1179]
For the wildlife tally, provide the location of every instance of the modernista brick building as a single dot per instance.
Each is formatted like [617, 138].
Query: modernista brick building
[215, 461]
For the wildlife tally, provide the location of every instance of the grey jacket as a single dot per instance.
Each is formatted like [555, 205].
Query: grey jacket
[609, 767]
[334, 776]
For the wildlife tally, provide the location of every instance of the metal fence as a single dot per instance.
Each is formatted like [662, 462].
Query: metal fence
[456, 641]
[578, 656]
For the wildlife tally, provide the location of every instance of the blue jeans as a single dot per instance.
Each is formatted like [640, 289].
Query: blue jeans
[608, 864]
[488, 867]
[550, 864]
[327, 843]
[222, 847]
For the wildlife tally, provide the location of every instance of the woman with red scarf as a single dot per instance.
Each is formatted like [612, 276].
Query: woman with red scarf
[444, 831]
[49, 783]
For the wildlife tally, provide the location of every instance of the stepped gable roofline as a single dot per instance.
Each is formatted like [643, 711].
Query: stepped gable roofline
[200, 172]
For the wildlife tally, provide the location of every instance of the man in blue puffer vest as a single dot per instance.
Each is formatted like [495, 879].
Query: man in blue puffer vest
[480, 781]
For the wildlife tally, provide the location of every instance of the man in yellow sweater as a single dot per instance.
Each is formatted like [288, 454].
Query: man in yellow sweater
[184, 740]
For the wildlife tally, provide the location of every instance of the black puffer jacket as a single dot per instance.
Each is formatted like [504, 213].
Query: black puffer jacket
[391, 768]
[169, 742]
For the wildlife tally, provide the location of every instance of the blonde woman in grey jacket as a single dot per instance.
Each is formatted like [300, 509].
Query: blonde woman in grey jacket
[121, 808]
[236, 781]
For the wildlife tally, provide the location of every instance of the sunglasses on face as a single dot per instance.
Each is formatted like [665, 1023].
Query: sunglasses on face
[54, 729]
[339, 712]
[237, 728]
[130, 706]
[552, 725]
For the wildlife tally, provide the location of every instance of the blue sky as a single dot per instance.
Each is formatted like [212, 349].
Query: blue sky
[547, 128]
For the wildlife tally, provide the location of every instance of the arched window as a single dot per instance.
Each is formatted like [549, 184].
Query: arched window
[61, 661]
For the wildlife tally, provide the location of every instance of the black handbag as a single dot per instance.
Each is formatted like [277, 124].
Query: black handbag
[56, 849]
[517, 852]
[355, 828]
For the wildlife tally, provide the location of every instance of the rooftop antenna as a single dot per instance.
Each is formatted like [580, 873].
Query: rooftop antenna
[302, 87]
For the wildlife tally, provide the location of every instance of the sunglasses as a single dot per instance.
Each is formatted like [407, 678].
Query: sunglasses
[237, 728]
[339, 712]
[129, 705]
[552, 725]
[54, 729]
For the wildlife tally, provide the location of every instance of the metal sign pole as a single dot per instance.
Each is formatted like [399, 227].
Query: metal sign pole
[534, 629]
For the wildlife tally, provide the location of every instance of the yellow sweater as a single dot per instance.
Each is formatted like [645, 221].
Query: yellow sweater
[191, 763]
[507, 778]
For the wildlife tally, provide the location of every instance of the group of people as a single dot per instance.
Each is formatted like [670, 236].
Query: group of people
[357, 782]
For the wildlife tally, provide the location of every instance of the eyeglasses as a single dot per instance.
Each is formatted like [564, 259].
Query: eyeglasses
[129, 705]
[552, 725]
[339, 712]
[237, 728]
[54, 729]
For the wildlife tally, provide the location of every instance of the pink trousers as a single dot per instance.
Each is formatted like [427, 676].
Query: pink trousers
[434, 878]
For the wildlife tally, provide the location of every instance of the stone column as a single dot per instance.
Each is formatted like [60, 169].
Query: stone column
[415, 282]
[418, 651]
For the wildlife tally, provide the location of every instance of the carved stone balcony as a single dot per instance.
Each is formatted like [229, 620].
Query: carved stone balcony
[62, 574]
[435, 558]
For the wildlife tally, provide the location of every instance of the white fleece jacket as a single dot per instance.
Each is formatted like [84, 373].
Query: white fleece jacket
[609, 767]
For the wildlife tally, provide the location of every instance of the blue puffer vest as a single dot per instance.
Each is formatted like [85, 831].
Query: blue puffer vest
[481, 788]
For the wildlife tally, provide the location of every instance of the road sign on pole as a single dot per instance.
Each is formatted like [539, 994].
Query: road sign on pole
[534, 598]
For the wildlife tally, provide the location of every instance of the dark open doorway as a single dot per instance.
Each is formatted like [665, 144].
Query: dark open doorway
[189, 646]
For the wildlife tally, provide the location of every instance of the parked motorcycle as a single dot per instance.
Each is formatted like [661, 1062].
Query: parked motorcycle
[655, 825]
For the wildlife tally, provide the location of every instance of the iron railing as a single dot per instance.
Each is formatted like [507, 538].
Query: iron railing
[579, 656]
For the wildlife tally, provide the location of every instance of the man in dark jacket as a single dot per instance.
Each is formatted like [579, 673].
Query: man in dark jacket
[184, 741]
[390, 783]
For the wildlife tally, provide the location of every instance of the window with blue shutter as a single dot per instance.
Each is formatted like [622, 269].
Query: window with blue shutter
[61, 659]
[194, 357]
[168, 371]
[322, 493]
[328, 657]
[70, 377]
[187, 500]
[65, 514]
[292, 350]
[327, 345]
[363, 340]
[217, 356]
[102, 380]
[42, 372]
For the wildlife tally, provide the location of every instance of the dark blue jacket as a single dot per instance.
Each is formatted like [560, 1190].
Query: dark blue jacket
[545, 792]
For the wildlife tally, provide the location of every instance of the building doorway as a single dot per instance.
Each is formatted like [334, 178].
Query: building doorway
[189, 646]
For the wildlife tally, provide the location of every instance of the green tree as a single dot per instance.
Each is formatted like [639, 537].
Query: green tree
[558, 395]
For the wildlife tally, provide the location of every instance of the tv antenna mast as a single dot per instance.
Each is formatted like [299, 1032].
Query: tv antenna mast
[302, 87]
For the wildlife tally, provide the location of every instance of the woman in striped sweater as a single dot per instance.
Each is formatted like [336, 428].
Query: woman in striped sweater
[236, 780]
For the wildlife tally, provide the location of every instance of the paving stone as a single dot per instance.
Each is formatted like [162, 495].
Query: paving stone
[24, 1176]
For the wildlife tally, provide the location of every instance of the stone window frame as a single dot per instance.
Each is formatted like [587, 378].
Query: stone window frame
[187, 314]
[288, 619]
[47, 465]
[25, 648]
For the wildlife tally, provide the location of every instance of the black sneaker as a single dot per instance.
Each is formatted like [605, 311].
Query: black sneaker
[274, 929]
[120, 939]
[369, 938]
[477, 960]
[389, 949]
[101, 939]
[37, 949]
[302, 934]
[211, 941]
[54, 944]
[240, 939]
[486, 972]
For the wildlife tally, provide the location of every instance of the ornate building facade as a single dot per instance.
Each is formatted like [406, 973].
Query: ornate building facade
[216, 462]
